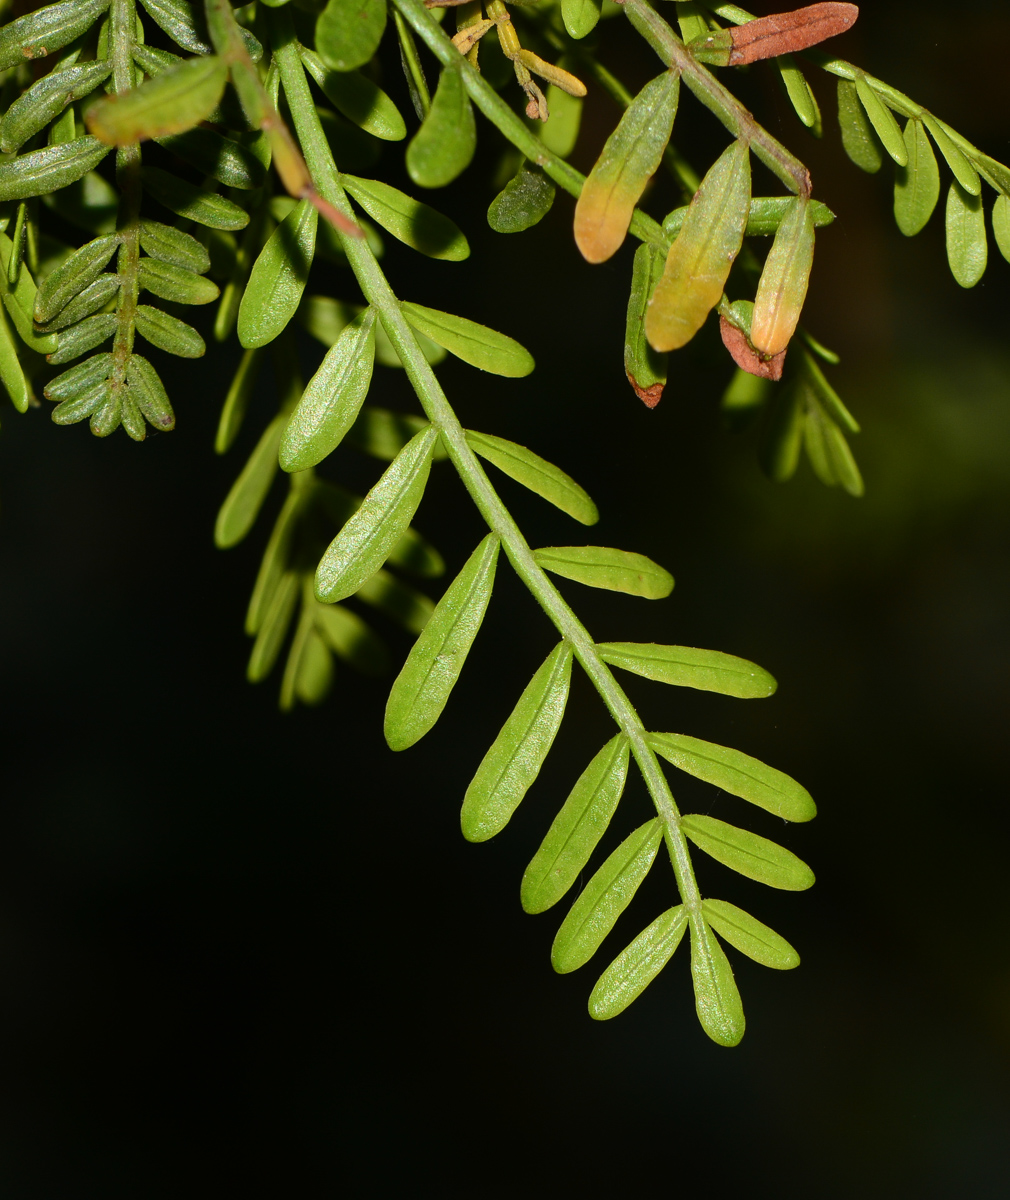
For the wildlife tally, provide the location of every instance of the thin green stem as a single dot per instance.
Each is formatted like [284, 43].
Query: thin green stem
[122, 35]
[433, 400]
[413, 67]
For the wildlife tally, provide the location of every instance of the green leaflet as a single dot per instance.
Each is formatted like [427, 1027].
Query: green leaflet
[275, 557]
[187, 200]
[79, 379]
[827, 448]
[783, 439]
[168, 333]
[46, 99]
[243, 503]
[222, 158]
[749, 936]
[964, 172]
[364, 543]
[173, 246]
[422, 688]
[172, 101]
[605, 897]
[20, 302]
[518, 752]
[636, 967]
[800, 96]
[11, 374]
[474, 344]
[185, 26]
[535, 473]
[333, 398]
[351, 639]
[348, 32]
[577, 828]
[82, 337]
[561, 130]
[275, 625]
[383, 434]
[47, 170]
[524, 201]
[1001, 225]
[146, 391]
[763, 219]
[827, 395]
[386, 355]
[79, 408]
[90, 300]
[966, 243]
[324, 317]
[357, 97]
[315, 670]
[716, 996]
[745, 852]
[858, 139]
[90, 203]
[278, 278]
[176, 283]
[603, 567]
[700, 260]
[630, 158]
[444, 145]
[415, 224]
[403, 604]
[707, 670]
[782, 287]
[743, 399]
[993, 172]
[917, 185]
[882, 120]
[691, 21]
[289, 681]
[47, 29]
[411, 553]
[580, 16]
[644, 367]
[75, 274]
[236, 402]
[736, 773]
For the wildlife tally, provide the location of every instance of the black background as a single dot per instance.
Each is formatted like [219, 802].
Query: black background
[245, 949]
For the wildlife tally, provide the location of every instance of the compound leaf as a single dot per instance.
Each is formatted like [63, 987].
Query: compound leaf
[46, 99]
[637, 966]
[535, 473]
[475, 344]
[603, 567]
[749, 936]
[176, 283]
[435, 661]
[577, 828]
[168, 333]
[746, 852]
[684, 666]
[364, 543]
[173, 246]
[72, 276]
[518, 752]
[605, 897]
[738, 774]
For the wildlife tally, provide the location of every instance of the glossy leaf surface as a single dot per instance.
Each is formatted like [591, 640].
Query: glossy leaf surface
[175, 283]
[736, 773]
[749, 935]
[535, 473]
[173, 246]
[685, 666]
[444, 145]
[518, 752]
[605, 897]
[278, 278]
[73, 275]
[364, 543]
[630, 158]
[475, 344]
[603, 567]
[577, 828]
[422, 688]
[637, 966]
[410, 221]
[746, 852]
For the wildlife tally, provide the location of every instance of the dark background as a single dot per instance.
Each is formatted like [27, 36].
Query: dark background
[239, 948]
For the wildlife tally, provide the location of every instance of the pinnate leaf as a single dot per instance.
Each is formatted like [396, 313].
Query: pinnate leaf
[738, 774]
[173, 246]
[176, 283]
[12, 375]
[749, 936]
[475, 344]
[364, 543]
[383, 434]
[605, 897]
[746, 852]
[685, 666]
[629, 159]
[637, 966]
[603, 567]
[173, 101]
[716, 996]
[518, 752]
[415, 224]
[422, 688]
[535, 473]
[444, 145]
[577, 828]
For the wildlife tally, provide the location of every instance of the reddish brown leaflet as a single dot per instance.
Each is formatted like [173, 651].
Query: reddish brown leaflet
[785, 33]
[745, 356]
